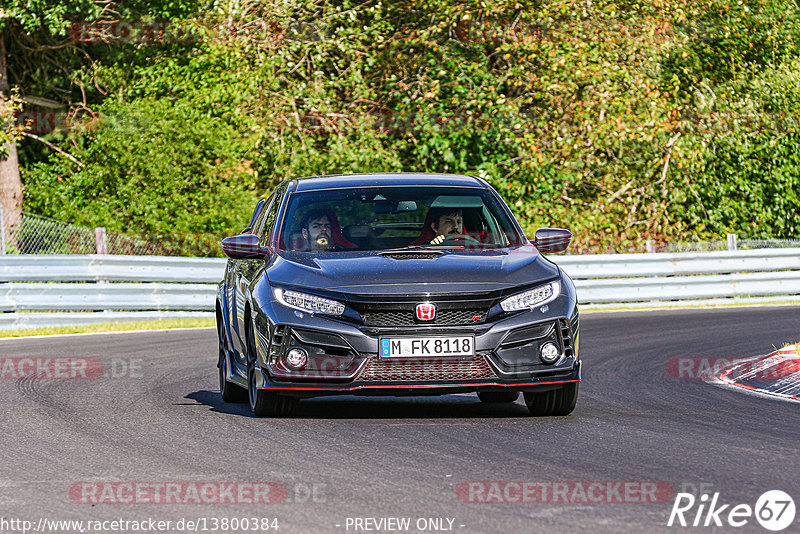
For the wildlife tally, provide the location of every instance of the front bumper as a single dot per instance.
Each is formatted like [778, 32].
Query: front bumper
[419, 387]
[344, 359]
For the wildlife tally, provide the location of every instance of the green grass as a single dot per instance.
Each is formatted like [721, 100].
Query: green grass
[123, 326]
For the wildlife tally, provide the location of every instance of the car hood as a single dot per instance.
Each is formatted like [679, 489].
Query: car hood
[371, 273]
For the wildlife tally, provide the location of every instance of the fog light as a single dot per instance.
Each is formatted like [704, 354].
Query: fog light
[549, 353]
[296, 358]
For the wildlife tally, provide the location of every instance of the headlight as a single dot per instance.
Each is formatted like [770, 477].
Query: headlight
[532, 298]
[308, 303]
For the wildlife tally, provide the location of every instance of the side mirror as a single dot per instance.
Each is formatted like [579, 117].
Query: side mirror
[243, 246]
[552, 240]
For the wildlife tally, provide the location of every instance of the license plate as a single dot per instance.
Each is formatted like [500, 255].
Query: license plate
[427, 347]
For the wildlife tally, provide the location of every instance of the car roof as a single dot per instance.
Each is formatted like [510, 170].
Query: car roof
[337, 181]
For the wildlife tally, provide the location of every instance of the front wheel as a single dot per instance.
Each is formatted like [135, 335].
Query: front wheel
[267, 403]
[559, 401]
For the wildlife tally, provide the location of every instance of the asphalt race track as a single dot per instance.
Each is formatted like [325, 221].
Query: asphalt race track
[155, 416]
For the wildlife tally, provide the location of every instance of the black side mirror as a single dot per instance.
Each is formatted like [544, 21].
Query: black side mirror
[243, 246]
[552, 240]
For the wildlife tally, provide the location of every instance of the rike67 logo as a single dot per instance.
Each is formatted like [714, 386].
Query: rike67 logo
[774, 510]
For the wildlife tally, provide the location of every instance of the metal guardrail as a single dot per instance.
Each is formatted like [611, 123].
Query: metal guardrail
[679, 263]
[685, 278]
[37, 290]
[121, 297]
[62, 290]
[742, 285]
[99, 267]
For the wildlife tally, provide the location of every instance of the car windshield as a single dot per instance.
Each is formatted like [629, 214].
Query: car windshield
[390, 218]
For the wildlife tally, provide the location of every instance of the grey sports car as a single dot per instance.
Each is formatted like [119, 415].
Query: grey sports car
[394, 284]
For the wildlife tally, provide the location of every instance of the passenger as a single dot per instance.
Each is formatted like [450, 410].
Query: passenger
[316, 228]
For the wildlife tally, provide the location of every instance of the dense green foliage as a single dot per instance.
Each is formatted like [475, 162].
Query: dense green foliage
[620, 120]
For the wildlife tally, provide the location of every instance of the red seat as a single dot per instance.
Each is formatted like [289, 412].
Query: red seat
[427, 232]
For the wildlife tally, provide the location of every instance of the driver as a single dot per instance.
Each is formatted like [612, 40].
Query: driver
[316, 229]
[445, 222]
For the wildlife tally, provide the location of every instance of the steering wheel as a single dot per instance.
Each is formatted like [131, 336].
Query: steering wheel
[467, 240]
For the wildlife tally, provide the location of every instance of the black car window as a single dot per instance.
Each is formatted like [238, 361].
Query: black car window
[259, 223]
[383, 218]
[269, 218]
[255, 219]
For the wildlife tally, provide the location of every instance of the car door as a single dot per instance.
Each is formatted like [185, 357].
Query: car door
[247, 270]
[233, 286]
[229, 286]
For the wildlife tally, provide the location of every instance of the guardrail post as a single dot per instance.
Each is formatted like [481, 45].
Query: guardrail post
[2, 231]
[100, 240]
[649, 247]
[732, 242]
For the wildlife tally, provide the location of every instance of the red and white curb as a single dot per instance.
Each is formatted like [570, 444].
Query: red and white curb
[775, 375]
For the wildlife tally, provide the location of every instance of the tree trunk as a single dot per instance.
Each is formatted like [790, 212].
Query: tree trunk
[10, 182]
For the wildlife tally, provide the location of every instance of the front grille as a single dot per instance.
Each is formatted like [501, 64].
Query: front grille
[474, 368]
[408, 318]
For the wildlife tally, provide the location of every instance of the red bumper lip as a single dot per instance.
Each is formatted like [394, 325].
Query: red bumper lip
[420, 386]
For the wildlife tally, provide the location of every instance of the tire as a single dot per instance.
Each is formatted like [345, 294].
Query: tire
[498, 396]
[230, 392]
[559, 401]
[266, 403]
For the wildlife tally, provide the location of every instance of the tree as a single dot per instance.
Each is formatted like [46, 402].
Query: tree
[10, 184]
[39, 21]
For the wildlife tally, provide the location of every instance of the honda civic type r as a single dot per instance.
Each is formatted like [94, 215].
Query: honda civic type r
[394, 284]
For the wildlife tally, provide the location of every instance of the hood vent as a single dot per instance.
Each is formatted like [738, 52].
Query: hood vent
[412, 254]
